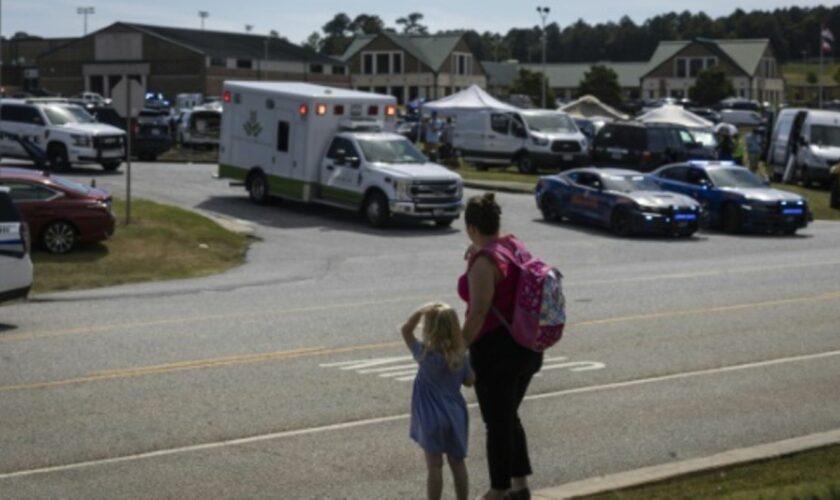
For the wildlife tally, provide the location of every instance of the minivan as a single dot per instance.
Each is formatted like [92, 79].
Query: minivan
[812, 137]
[645, 146]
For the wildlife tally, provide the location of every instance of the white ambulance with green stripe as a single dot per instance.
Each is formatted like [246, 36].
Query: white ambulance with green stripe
[331, 146]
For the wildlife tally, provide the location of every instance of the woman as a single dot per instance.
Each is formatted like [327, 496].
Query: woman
[502, 367]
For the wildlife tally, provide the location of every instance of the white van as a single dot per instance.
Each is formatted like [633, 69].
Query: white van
[812, 137]
[200, 126]
[531, 139]
[331, 146]
[15, 265]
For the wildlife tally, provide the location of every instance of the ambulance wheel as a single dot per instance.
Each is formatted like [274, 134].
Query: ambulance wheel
[376, 210]
[258, 188]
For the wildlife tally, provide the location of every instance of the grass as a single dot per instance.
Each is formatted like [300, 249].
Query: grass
[797, 73]
[817, 198]
[161, 243]
[810, 475]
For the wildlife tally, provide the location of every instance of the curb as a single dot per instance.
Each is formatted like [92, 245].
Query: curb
[507, 187]
[656, 473]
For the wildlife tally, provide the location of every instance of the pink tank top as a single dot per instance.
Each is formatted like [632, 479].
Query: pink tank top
[505, 291]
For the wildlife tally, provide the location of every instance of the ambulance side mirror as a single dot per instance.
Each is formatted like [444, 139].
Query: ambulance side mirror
[352, 161]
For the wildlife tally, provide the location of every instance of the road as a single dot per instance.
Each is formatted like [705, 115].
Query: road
[286, 377]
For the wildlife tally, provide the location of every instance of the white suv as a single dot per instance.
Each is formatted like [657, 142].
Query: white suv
[15, 265]
[58, 134]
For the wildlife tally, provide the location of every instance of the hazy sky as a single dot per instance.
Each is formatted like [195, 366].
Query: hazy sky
[296, 20]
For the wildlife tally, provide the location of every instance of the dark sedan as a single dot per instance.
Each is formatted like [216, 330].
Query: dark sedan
[60, 213]
[623, 200]
[735, 198]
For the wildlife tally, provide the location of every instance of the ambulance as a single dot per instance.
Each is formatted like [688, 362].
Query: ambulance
[331, 146]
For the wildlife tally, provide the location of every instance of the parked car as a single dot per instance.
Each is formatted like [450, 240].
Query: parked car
[645, 146]
[735, 198]
[58, 134]
[623, 200]
[15, 264]
[200, 127]
[707, 113]
[92, 98]
[812, 136]
[60, 212]
[150, 135]
[742, 117]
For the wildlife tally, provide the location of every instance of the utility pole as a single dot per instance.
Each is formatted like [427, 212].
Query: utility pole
[203, 14]
[543, 12]
[85, 12]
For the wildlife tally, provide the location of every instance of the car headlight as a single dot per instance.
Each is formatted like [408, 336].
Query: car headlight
[539, 141]
[403, 190]
[82, 141]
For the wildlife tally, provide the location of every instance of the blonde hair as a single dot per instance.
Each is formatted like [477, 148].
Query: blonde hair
[442, 334]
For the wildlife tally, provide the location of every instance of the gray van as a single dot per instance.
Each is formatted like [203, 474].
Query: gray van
[811, 137]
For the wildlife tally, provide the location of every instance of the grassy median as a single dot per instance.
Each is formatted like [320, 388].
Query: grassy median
[811, 475]
[161, 243]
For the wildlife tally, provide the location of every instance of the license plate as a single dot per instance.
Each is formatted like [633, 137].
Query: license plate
[438, 211]
[682, 224]
[568, 157]
[615, 156]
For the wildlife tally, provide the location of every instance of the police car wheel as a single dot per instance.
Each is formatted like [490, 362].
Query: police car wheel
[731, 219]
[620, 223]
[548, 207]
[111, 166]
[59, 237]
[376, 210]
[57, 158]
[258, 188]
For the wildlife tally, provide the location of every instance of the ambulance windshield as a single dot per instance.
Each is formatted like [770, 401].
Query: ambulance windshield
[390, 150]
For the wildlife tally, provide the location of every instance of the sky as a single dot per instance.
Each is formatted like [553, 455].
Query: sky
[296, 20]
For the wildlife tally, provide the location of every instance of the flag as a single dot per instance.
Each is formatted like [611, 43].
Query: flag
[827, 40]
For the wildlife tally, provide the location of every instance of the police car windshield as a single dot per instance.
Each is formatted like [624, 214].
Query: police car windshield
[390, 151]
[62, 115]
[550, 122]
[628, 183]
[823, 135]
[735, 178]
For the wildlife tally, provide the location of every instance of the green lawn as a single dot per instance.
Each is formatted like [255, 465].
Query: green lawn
[161, 243]
[796, 74]
[811, 475]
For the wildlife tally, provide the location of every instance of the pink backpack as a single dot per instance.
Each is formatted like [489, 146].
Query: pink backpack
[539, 311]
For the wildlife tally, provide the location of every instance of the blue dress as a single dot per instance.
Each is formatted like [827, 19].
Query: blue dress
[439, 421]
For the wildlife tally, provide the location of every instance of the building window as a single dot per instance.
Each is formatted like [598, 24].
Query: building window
[681, 71]
[399, 93]
[396, 64]
[367, 64]
[690, 67]
[244, 63]
[380, 90]
[316, 68]
[363, 89]
[461, 63]
[413, 93]
[338, 70]
[218, 62]
[383, 64]
[695, 67]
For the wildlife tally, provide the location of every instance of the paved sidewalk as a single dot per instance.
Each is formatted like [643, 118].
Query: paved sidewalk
[602, 484]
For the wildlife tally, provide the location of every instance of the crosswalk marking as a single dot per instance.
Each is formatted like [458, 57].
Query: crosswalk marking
[397, 368]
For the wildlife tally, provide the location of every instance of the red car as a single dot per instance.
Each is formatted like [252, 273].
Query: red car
[61, 213]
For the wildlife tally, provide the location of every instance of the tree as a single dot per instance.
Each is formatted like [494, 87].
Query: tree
[811, 78]
[411, 24]
[314, 41]
[712, 86]
[529, 83]
[336, 41]
[601, 82]
[367, 24]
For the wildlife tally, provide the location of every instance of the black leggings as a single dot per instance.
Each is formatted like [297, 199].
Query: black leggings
[503, 370]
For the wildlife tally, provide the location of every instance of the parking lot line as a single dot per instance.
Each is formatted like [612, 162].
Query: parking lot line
[319, 351]
[391, 418]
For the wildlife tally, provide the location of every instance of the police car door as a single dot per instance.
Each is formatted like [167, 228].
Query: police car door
[341, 172]
[12, 245]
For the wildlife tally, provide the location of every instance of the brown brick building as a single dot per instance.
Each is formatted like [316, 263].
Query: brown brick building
[20, 55]
[177, 60]
[412, 66]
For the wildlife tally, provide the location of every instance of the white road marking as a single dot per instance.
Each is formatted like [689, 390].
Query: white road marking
[393, 418]
[577, 366]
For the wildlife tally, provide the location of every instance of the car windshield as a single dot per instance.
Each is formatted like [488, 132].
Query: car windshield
[549, 122]
[391, 151]
[823, 135]
[628, 183]
[71, 185]
[705, 137]
[735, 178]
[62, 115]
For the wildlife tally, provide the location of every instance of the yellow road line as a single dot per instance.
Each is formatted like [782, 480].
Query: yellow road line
[141, 371]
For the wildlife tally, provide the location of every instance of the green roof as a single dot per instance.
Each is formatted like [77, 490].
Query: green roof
[431, 50]
[745, 53]
[565, 75]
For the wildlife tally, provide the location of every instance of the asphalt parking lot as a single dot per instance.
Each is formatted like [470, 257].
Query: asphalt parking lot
[286, 377]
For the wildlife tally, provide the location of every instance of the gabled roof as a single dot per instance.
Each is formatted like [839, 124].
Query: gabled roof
[746, 54]
[564, 75]
[431, 50]
[224, 44]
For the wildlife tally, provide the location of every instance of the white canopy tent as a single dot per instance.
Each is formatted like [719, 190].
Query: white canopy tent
[469, 100]
[671, 113]
[592, 108]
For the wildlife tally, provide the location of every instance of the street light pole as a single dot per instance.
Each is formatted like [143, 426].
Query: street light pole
[543, 12]
[85, 12]
[203, 14]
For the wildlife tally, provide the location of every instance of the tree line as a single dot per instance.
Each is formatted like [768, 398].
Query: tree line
[793, 33]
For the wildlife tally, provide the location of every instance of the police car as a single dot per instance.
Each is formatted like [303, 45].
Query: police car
[15, 265]
[735, 198]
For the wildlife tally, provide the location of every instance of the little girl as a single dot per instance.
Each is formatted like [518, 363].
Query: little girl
[439, 421]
